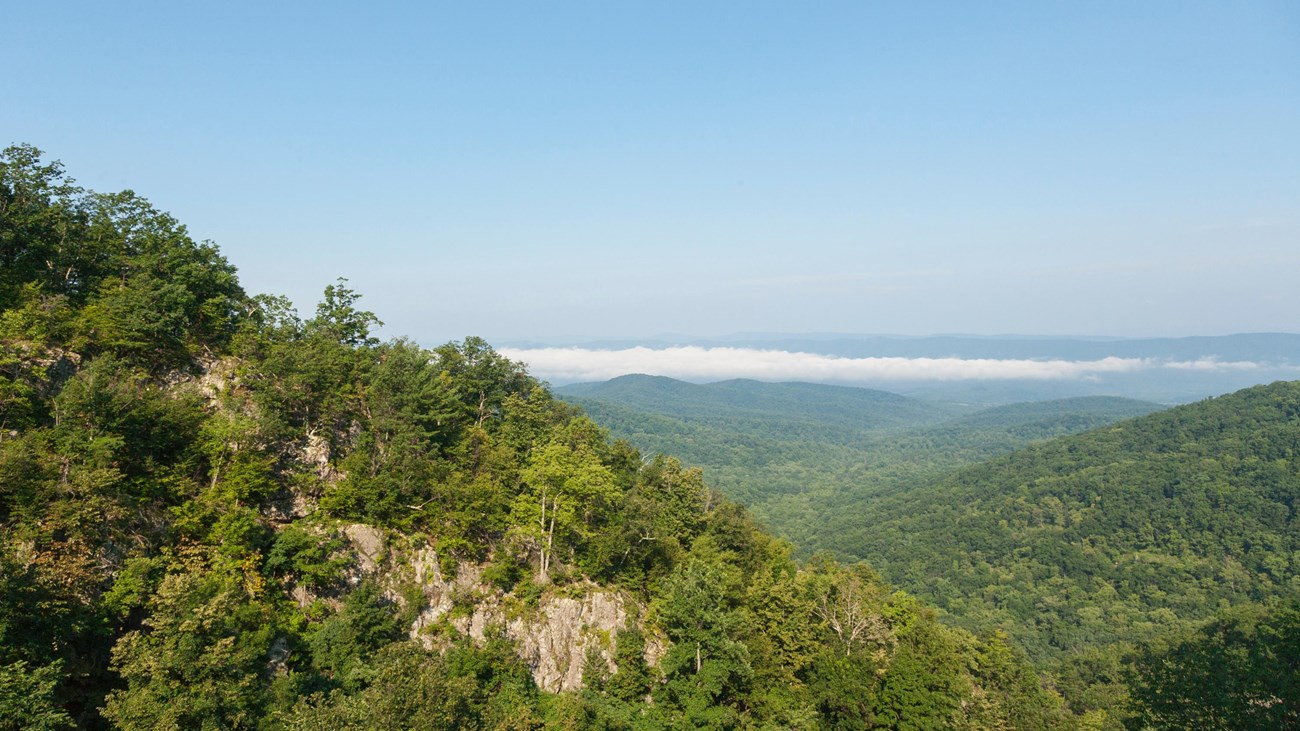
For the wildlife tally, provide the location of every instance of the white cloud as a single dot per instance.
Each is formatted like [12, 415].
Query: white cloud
[1212, 364]
[703, 364]
[707, 364]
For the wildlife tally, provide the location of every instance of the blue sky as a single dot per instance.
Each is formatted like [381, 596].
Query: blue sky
[535, 170]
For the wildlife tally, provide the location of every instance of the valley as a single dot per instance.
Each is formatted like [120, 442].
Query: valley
[1082, 528]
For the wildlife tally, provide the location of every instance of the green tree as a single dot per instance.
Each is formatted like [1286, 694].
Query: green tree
[397, 458]
[341, 646]
[41, 225]
[202, 658]
[27, 698]
[1021, 702]
[159, 297]
[566, 489]
[707, 668]
[924, 687]
[1241, 670]
[481, 378]
[338, 319]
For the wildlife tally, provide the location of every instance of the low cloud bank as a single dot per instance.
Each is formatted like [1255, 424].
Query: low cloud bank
[694, 363]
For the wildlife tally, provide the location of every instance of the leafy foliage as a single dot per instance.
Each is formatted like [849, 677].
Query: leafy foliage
[1238, 671]
[27, 698]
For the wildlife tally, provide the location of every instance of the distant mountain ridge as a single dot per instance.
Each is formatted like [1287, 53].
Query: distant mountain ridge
[1052, 411]
[840, 407]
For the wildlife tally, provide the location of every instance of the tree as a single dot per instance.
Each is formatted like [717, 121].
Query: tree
[481, 378]
[924, 687]
[849, 601]
[201, 659]
[41, 219]
[337, 318]
[27, 698]
[1241, 670]
[566, 489]
[707, 669]
[394, 463]
[1019, 699]
[309, 376]
[155, 295]
[342, 645]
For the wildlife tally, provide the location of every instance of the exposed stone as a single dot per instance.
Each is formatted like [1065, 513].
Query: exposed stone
[370, 545]
[288, 506]
[217, 377]
[437, 593]
[553, 638]
[316, 453]
[60, 365]
[278, 657]
[302, 596]
[555, 643]
[46, 369]
[655, 649]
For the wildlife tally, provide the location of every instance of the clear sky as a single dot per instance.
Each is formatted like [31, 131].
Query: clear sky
[545, 169]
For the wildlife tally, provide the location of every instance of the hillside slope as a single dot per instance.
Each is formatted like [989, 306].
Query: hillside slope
[837, 414]
[1114, 535]
[756, 440]
[804, 456]
[823, 516]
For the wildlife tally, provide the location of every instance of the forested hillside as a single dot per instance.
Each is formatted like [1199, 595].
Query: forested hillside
[1152, 518]
[805, 457]
[1084, 546]
[756, 440]
[838, 414]
[218, 514]
[825, 516]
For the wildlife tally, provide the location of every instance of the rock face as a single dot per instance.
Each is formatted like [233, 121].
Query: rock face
[217, 377]
[369, 544]
[554, 637]
[59, 365]
[316, 453]
[438, 592]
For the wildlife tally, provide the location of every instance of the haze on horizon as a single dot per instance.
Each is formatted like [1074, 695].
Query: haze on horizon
[517, 170]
